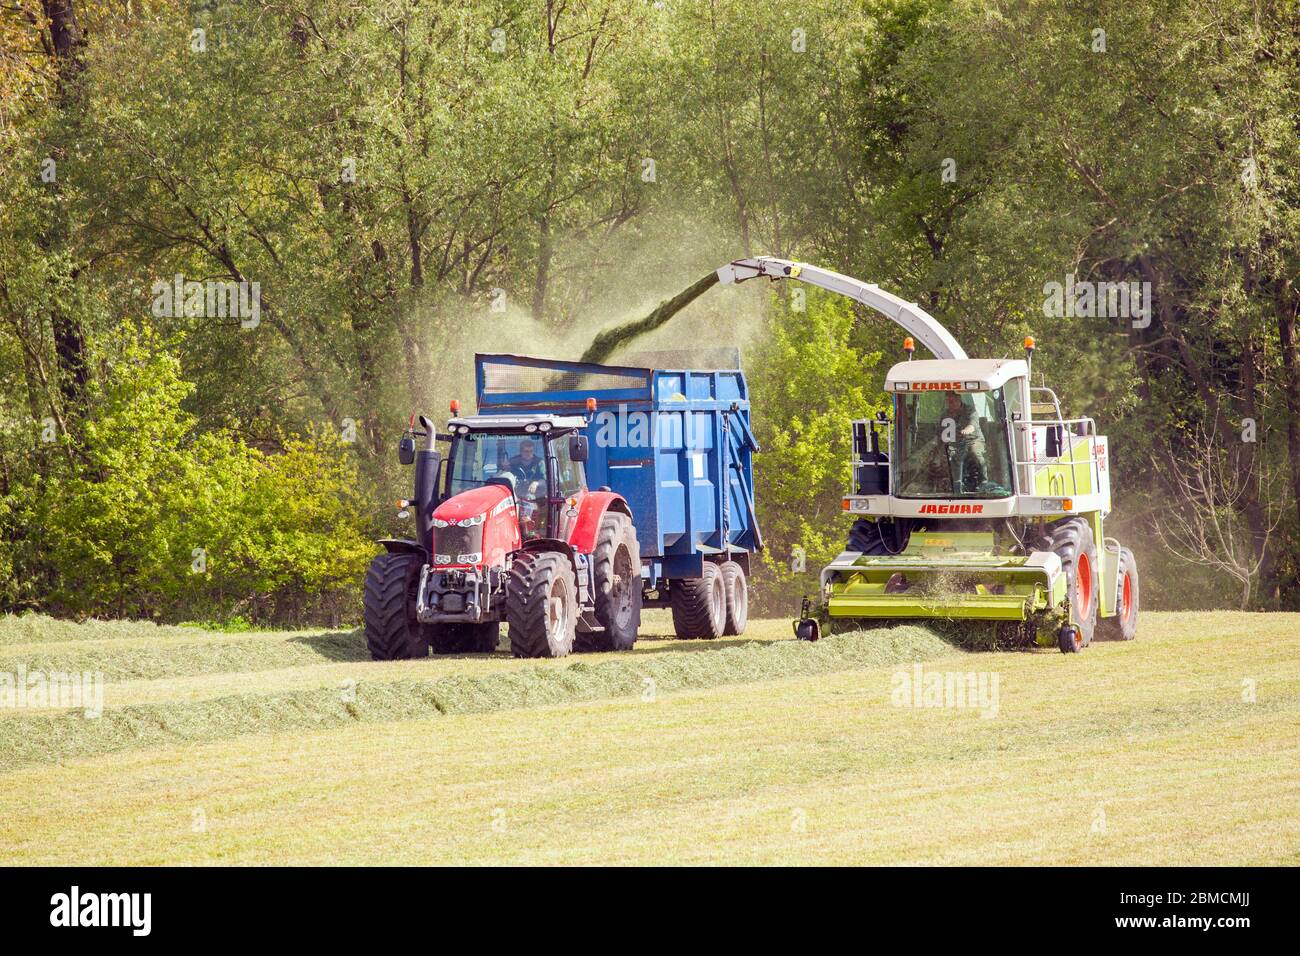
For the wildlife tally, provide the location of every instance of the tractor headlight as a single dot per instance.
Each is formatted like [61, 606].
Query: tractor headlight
[442, 559]
[439, 523]
[474, 557]
[471, 522]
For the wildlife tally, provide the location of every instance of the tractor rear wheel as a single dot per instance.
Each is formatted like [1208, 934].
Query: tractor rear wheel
[392, 631]
[1123, 626]
[616, 566]
[733, 575]
[465, 638]
[700, 604]
[1072, 542]
[541, 605]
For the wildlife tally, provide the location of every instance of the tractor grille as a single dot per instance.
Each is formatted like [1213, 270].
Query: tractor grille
[453, 541]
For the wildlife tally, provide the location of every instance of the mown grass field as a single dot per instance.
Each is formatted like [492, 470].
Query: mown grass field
[1180, 748]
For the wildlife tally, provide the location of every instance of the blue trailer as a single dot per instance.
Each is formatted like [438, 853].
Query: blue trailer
[576, 496]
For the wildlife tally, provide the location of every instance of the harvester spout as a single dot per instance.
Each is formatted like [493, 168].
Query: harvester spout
[909, 315]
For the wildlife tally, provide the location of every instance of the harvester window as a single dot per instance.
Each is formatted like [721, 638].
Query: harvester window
[952, 445]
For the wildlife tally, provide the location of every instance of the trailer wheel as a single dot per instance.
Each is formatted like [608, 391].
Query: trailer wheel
[1072, 541]
[465, 638]
[733, 575]
[392, 631]
[1123, 626]
[616, 566]
[541, 605]
[700, 604]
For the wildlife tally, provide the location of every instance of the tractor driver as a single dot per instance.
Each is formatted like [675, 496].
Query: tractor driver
[526, 465]
[967, 457]
[527, 472]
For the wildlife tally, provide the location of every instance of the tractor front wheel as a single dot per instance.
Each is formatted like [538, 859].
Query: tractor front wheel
[392, 631]
[542, 605]
[1123, 626]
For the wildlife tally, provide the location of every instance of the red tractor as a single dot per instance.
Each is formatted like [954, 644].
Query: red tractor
[508, 531]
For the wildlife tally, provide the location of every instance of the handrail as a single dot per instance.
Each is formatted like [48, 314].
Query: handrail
[1089, 435]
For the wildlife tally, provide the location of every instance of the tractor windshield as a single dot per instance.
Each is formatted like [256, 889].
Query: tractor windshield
[952, 445]
[479, 457]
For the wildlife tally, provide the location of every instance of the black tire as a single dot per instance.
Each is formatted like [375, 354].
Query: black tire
[616, 567]
[807, 630]
[1123, 626]
[1068, 640]
[392, 631]
[874, 538]
[1072, 542]
[541, 605]
[700, 604]
[465, 638]
[733, 575]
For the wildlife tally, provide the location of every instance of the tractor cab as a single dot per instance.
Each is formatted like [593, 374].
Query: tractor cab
[539, 458]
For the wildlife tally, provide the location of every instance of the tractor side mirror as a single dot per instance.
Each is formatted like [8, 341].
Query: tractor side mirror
[406, 450]
[578, 447]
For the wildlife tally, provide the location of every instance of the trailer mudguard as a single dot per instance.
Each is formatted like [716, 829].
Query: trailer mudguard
[591, 511]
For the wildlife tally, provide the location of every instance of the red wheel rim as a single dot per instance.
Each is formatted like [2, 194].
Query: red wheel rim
[1084, 586]
[1127, 601]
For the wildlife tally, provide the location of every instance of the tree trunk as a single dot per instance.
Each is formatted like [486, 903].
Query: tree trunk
[1288, 303]
[69, 340]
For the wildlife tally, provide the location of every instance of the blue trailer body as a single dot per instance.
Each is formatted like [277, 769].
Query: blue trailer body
[676, 443]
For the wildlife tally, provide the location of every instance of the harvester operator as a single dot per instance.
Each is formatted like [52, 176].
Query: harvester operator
[967, 455]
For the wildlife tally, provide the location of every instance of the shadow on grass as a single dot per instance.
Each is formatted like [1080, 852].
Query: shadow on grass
[344, 646]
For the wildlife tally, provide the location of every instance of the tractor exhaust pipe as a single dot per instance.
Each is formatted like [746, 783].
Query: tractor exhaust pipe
[428, 465]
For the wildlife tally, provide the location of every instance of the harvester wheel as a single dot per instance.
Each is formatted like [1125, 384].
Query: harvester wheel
[1072, 541]
[1123, 626]
[1069, 640]
[392, 631]
[807, 629]
[733, 575]
[700, 604]
[616, 564]
[541, 605]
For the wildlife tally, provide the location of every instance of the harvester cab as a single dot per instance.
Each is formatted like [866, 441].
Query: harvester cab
[975, 499]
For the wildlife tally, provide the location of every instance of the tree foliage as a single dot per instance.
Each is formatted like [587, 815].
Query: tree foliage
[407, 181]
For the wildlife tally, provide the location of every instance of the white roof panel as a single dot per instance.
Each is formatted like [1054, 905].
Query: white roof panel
[990, 373]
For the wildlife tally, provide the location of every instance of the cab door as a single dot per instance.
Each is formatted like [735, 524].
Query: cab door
[569, 483]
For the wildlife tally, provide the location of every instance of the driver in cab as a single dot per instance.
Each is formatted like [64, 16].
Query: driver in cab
[528, 465]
